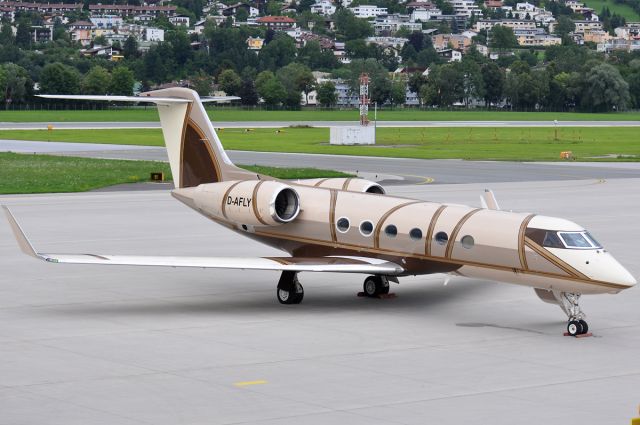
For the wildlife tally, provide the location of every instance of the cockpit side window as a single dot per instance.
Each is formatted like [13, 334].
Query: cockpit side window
[579, 240]
[551, 240]
[546, 238]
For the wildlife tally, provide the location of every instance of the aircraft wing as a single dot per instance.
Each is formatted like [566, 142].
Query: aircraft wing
[148, 99]
[342, 264]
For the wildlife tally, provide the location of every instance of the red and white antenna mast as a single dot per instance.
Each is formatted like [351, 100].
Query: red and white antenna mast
[364, 99]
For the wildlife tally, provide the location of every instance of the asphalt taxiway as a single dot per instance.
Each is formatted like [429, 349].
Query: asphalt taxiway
[320, 124]
[387, 170]
[105, 345]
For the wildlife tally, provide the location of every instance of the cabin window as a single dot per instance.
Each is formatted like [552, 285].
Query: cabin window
[467, 241]
[415, 234]
[366, 227]
[343, 224]
[442, 238]
[391, 231]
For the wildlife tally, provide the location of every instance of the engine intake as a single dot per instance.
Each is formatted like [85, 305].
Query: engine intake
[254, 202]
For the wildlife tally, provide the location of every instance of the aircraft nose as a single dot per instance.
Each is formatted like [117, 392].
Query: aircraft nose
[620, 275]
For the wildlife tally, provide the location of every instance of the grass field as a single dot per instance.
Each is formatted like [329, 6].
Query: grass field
[519, 144]
[620, 9]
[227, 114]
[20, 173]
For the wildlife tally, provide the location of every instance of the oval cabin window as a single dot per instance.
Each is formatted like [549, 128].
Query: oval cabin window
[366, 227]
[343, 224]
[391, 231]
[415, 234]
[442, 238]
[467, 241]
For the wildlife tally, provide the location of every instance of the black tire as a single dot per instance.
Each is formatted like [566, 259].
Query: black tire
[585, 327]
[384, 289]
[290, 297]
[574, 328]
[371, 286]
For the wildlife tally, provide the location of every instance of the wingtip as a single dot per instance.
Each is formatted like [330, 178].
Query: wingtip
[18, 233]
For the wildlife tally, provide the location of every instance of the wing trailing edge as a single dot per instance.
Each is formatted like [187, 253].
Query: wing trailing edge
[339, 264]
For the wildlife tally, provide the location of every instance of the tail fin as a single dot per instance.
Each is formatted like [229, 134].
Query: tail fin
[196, 155]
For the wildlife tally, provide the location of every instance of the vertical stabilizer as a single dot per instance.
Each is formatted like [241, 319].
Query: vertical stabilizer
[196, 155]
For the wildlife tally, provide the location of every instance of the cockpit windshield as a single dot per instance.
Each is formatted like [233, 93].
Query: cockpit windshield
[563, 240]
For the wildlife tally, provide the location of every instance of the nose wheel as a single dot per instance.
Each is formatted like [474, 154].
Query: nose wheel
[570, 304]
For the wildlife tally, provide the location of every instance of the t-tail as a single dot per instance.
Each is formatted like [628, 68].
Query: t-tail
[196, 155]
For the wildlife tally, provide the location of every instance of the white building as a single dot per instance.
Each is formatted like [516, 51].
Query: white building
[154, 34]
[392, 23]
[179, 20]
[323, 7]
[425, 14]
[466, 8]
[107, 21]
[367, 11]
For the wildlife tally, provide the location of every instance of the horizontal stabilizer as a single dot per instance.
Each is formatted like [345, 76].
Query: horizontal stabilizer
[301, 264]
[149, 99]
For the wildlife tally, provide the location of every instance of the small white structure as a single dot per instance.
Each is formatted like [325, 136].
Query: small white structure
[352, 135]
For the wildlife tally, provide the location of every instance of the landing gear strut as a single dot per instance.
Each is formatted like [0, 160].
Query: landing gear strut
[570, 304]
[289, 290]
[375, 285]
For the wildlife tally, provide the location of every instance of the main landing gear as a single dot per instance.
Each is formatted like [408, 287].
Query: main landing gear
[374, 286]
[289, 290]
[570, 303]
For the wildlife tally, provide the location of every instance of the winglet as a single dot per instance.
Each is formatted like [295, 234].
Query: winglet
[21, 238]
[489, 200]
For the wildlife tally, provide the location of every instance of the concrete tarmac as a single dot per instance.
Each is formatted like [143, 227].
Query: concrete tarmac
[125, 345]
[321, 124]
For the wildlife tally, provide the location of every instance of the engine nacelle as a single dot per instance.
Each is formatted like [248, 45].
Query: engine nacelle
[253, 202]
[350, 184]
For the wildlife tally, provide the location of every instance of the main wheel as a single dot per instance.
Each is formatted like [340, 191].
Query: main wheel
[585, 327]
[294, 296]
[574, 328]
[374, 286]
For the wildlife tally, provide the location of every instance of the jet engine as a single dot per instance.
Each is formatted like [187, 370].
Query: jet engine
[254, 203]
[348, 184]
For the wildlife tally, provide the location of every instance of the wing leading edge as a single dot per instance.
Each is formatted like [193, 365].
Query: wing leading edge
[340, 264]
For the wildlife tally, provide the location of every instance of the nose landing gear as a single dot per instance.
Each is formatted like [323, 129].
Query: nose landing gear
[570, 304]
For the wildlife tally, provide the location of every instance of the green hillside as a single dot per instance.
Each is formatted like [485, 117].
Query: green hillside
[621, 9]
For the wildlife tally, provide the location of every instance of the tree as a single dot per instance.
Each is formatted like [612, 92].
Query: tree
[564, 26]
[493, 77]
[278, 53]
[130, 49]
[472, 81]
[247, 92]
[398, 93]
[229, 82]
[296, 79]
[605, 89]
[57, 78]
[202, 83]
[96, 81]
[6, 35]
[242, 15]
[327, 95]
[269, 88]
[15, 84]
[380, 88]
[122, 81]
[501, 37]
[100, 40]
[23, 34]
[444, 86]
[350, 27]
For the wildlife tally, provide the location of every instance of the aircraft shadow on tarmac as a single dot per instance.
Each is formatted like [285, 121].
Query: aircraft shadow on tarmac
[318, 299]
